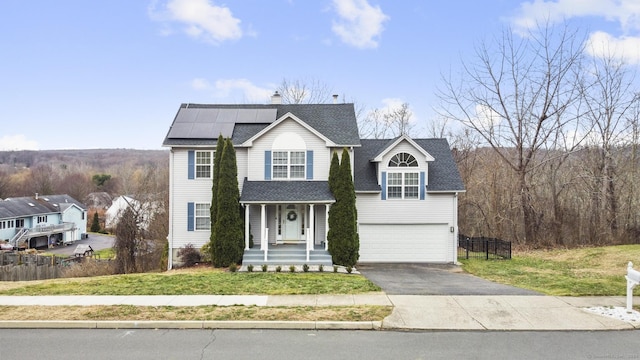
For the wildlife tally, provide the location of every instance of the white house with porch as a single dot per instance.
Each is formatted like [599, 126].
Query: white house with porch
[406, 188]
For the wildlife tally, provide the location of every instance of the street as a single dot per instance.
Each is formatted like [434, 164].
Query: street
[275, 344]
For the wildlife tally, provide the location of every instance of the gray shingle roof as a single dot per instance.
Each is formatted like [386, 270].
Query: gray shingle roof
[335, 121]
[443, 172]
[286, 191]
[45, 204]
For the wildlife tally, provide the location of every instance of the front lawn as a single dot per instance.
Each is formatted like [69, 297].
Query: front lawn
[202, 281]
[596, 271]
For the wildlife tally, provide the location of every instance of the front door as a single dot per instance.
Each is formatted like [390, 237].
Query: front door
[291, 218]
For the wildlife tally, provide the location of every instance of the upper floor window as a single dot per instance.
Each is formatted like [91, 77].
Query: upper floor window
[403, 184]
[288, 165]
[204, 164]
[42, 219]
[403, 160]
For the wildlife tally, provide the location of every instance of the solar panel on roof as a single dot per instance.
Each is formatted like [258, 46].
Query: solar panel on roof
[208, 123]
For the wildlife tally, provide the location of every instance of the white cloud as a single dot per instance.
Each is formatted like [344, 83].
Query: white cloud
[624, 12]
[200, 18]
[200, 84]
[359, 22]
[17, 142]
[626, 48]
[250, 92]
[486, 118]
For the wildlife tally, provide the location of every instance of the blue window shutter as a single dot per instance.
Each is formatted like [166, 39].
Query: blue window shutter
[384, 185]
[422, 187]
[267, 165]
[190, 216]
[192, 164]
[309, 164]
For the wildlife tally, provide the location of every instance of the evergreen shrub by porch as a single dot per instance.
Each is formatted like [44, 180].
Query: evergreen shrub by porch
[344, 242]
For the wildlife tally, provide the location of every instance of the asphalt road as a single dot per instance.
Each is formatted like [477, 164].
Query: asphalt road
[428, 279]
[274, 344]
[96, 241]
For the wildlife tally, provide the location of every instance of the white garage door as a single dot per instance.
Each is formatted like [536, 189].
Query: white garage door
[405, 243]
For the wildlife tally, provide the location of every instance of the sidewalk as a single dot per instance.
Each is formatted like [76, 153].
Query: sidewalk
[411, 312]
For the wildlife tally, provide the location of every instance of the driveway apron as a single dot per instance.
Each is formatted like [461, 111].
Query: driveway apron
[431, 279]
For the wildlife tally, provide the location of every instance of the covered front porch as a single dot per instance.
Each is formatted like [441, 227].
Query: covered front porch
[286, 222]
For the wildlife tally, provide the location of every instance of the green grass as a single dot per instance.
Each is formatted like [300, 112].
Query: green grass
[597, 271]
[107, 253]
[202, 282]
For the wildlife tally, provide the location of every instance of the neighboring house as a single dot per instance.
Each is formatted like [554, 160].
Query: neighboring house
[406, 188]
[119, 204]
[29, 222]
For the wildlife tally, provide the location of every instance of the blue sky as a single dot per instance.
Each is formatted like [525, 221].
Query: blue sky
[79, 74]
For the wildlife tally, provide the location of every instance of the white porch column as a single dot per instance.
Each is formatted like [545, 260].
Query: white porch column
[312, 231]
[246, 227]
[326, 228]
[263, 227]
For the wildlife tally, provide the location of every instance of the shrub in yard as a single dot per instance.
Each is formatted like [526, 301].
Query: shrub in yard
[321, 268]
[189, 255]
[305, 268]
[233, 267]
[335, 268]
[278, 268]
[264, 267]
[349, 269]
[250, 268]
[292, 268]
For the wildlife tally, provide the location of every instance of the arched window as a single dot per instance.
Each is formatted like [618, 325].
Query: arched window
[403, 160]
[403, 184]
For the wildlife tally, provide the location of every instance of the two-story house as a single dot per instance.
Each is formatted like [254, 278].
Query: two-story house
[41, 220]
[406, 188]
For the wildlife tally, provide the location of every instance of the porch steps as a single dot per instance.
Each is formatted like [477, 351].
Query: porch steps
[286, 255]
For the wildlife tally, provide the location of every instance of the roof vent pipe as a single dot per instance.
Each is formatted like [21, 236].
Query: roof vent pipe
[276, 99]
[335, 98]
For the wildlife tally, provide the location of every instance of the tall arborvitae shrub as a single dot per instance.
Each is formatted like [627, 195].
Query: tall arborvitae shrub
[343, 237]
[348, 197]
[214, 192]
[227, 231]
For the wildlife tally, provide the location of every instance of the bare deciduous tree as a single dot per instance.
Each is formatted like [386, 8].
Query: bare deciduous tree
[304, 91]
[516, 96]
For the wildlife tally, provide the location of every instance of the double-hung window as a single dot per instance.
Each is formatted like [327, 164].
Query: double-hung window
[288, 165]
[204, 164]
[203, 216]
[403, 183]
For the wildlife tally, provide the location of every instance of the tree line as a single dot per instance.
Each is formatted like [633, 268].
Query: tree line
[547, 140]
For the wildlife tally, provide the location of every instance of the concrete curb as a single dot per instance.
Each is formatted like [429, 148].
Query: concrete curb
[152, 324]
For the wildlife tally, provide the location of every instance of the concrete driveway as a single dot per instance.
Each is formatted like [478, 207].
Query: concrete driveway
[430, 279]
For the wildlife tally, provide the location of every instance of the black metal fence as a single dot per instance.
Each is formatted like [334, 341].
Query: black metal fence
[483, 248]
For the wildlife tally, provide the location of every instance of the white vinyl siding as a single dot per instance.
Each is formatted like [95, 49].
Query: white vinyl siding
[256, 155]
[185, 191]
